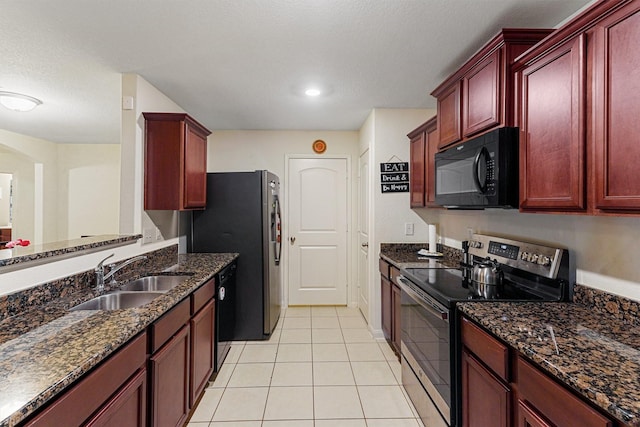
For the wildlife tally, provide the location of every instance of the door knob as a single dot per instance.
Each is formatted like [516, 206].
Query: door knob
[292, 240]
[365, 245]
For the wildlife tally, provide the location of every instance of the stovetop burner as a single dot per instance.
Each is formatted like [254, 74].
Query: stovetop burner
[450, 285]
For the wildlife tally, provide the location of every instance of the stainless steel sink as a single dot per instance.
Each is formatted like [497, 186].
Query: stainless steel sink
[118, 300]
[155, 283]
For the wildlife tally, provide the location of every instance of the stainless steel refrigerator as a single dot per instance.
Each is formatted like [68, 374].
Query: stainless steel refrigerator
[243, 215]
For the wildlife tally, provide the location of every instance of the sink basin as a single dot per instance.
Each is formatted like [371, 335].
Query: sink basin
[155, 283]
[118, 300]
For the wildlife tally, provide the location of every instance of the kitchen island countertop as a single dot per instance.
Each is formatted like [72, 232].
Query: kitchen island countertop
[44, 350]
[597, 355]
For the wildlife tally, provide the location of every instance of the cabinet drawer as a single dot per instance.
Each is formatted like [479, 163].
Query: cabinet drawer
[167, 326]
[202, 295]
[83, 399]
[552, 400]
[492, 352]
[384, 268]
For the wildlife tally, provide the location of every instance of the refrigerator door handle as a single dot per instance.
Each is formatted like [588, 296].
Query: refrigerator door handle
[278, 230]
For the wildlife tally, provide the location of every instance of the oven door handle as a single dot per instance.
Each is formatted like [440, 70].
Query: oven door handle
[428, 305]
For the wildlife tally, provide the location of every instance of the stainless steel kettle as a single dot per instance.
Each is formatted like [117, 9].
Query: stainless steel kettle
[487, 278]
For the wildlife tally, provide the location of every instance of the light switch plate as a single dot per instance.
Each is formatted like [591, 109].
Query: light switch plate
[408, 229]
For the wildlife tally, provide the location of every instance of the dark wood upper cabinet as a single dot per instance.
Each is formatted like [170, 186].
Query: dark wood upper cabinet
[175, 175]
[416, 170]
[479, 95]
[432, 137]
[424, 144]
[552, 100]
[616, 109]
[577, 110]
[481, 90]
[449, 115]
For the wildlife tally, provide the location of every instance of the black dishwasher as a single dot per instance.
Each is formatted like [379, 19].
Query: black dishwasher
[225, 312]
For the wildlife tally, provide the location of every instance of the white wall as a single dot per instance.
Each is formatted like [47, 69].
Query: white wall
[604, 248]
[5, 189]
[89, 189]
[133, 218]
[19, 155]
[384, 133]
[231, 151]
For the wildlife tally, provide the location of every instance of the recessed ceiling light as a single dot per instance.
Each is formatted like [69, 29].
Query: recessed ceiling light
[312, 92]
[18, 102]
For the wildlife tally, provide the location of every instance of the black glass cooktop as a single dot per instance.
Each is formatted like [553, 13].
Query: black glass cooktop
[449, 285]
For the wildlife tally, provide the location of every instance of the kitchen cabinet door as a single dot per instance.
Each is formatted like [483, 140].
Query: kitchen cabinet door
[396, 332]
[432, 141]
[551, 401]
[486, 400]
[385, 289]
[170, 381]
[616, 109]
[416, 171]
[528, 417]
[108, 389]
[175, 173]
[127, 408]
[552, 130]
[481, 96]
[202, 350]
[449, 116]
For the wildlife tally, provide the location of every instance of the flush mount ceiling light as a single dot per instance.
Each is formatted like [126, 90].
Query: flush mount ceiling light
[312, 91]
[18, 102]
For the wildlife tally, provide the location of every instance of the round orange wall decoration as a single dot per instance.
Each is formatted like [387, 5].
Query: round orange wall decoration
[319, 146]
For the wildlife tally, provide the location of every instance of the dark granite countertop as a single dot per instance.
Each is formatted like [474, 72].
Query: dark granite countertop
[32, 254]
[405, 255]
[44, 350]
[597, 355]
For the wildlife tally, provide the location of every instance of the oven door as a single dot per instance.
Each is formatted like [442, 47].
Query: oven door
[427, 349]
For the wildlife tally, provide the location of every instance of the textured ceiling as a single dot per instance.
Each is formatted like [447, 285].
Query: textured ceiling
[241, 64]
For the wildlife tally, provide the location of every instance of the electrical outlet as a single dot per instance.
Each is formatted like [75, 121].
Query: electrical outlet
[148, 235]
[469, 233]
[158, 234]
[408, 229]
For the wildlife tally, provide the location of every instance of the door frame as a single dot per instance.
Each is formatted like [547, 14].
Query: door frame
[285, 228]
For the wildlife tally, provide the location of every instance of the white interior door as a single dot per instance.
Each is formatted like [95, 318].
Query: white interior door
[318, 216]
[363, 234]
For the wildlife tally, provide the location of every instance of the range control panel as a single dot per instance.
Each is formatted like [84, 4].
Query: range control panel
[538, 259]
[503, 249]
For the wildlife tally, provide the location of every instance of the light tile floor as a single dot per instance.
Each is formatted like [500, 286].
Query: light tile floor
[321, 368]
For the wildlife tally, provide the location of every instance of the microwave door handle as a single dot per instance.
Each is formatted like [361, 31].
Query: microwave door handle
[427, 305]
[481, 187]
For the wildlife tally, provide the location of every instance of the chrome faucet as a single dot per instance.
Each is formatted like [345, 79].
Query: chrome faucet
[99, 270]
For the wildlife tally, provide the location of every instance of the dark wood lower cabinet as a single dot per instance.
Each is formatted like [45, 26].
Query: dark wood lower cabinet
[390, 304]
[486, 400]
[501, 388]
[385, 289]
[170, 381]
[528, 417]
[110, 395]
[154, 380]
[395, 309]
[127, 407]
[202, 350]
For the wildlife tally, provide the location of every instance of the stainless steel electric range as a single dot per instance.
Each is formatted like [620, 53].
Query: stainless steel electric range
[431, 344]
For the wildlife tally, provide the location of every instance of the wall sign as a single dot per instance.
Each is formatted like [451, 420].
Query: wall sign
[394, 177]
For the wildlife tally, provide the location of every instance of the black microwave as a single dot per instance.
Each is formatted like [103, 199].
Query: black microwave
[479, 173]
